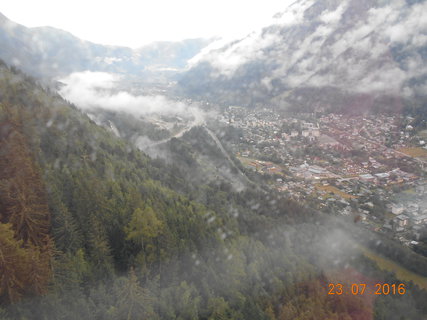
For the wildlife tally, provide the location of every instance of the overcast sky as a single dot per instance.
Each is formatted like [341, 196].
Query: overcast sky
[134, 23]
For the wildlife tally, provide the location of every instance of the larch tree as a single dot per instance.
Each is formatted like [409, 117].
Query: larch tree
[26, 245]
[13, 266]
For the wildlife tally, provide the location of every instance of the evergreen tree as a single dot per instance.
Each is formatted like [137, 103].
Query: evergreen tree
[134, 302]
[13, 266]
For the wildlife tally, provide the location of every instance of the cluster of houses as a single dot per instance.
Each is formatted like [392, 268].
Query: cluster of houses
[312, 172]
[395, 176]
[407, 216]
[335, 138]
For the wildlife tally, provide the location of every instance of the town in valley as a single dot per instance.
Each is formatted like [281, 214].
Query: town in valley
[369, 167]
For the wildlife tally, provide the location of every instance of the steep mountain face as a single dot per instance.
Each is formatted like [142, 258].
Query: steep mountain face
[48, 52]
[323, 52]
[195, 150]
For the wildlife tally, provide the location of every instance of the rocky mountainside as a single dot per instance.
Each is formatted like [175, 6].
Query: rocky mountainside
[48, 52]
[322, 53]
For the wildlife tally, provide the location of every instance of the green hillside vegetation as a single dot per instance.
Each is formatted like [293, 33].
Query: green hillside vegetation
[401, 272]
[92, 228]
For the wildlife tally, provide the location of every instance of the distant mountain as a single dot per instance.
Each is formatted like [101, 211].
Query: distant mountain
[322, 53]
[48, 52]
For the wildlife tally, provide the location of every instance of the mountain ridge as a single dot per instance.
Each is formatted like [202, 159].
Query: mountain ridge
[48, 52]
[361, 47]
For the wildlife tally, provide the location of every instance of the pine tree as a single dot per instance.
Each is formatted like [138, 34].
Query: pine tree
[23, 199]
[13, 266]
[24, 207]
[64, 227]
[144, 226]
[134, 302]
[99, 251]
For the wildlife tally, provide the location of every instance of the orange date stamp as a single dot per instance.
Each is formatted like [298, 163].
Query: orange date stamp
[362, 288]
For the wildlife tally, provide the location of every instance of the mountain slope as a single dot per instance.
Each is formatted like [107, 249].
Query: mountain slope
[351, 47]
[48, 52]
[131, 238]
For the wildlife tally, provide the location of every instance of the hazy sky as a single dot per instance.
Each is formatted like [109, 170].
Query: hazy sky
[134, 23]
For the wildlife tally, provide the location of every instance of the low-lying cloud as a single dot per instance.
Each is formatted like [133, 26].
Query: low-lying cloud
[332, 49]
[89, 90]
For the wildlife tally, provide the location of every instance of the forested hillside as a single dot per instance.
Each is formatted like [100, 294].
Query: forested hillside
[92, 228]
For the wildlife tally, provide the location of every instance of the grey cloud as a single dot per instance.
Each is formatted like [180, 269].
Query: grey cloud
[333, 16]
[89, 90]
[225, 62]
